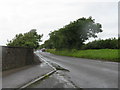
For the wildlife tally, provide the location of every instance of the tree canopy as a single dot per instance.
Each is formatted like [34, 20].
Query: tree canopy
[111, 43]
[30, 39]
[74, 34]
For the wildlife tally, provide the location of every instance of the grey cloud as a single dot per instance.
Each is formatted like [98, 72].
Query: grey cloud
[19, 16]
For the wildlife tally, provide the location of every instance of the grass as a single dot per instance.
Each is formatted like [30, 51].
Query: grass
[99, 54]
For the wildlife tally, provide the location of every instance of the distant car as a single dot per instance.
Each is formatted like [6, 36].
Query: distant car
[43, 49]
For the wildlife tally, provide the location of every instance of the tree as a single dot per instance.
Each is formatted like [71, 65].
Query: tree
[111, 43]
[30, 39]
[75, 34]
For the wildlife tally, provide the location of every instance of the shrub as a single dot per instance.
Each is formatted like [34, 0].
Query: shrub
[111, 43]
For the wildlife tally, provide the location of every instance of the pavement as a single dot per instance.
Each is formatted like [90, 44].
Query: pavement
[16, 78]
[87, 73]
[56, 80]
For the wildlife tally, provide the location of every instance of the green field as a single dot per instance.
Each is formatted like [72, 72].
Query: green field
[100, 54]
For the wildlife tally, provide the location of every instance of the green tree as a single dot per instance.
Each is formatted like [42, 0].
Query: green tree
[111, 43]
[74, 34]
[30, 39]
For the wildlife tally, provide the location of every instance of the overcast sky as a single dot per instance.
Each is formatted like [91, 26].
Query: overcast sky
[20, 16]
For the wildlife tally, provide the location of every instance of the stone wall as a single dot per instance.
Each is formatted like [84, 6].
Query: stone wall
[14, 57]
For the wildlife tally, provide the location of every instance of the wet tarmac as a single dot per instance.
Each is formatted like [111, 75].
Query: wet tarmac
[57, 80]
[87, 73]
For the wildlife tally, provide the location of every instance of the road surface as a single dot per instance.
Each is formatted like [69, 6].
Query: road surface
[18, 77]
[86, 73]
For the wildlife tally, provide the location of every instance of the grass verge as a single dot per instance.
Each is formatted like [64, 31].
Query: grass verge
[99, 54]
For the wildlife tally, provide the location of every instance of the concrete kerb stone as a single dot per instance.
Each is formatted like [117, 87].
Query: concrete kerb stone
[41, 77]
[38, 79]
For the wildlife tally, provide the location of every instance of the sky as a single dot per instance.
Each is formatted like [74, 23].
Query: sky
[20, 16]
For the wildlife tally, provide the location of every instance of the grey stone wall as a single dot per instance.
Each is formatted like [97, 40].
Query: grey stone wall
[14, 57]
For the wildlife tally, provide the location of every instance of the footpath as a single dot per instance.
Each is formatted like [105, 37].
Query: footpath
[16, 78]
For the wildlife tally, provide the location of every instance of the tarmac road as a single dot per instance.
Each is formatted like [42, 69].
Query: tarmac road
[87, 73]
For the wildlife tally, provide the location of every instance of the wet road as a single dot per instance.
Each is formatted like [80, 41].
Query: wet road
[86, 73]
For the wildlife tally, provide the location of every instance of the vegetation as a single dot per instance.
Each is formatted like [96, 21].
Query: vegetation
[30, 39]
[111, 43]
[101, 54]
[69, 41]
[73, 35]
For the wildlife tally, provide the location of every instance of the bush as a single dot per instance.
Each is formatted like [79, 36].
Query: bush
[102, 44]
